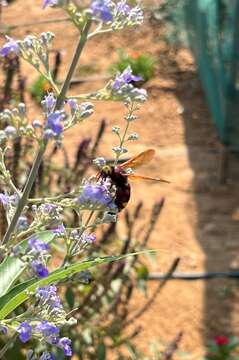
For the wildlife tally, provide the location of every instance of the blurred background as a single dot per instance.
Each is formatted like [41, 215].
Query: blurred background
[187, 54]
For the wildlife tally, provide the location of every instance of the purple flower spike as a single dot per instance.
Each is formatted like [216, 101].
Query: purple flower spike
[47, 328]
[59, 230]
[10, 47]
[102, 9]
[125, 77]
[96, 194]
[49, 101]
[40, 270]
[123, 8]
[65, 345]
[72, 103]
[25, 331]
[54, 123]
[4, 199]
[47, 294]
[88, 239]
[37, 246]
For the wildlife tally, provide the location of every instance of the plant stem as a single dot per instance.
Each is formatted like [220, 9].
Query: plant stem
[81, 44]
[60, 101]
[8, 345]
[124, 135]
[23, 200]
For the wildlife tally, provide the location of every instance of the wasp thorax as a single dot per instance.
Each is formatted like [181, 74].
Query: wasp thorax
[107, 170]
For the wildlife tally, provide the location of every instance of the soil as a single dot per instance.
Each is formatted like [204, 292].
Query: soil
[199, 222]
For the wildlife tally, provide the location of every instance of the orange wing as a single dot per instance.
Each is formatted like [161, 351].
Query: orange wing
[140, 159]
[141, 177]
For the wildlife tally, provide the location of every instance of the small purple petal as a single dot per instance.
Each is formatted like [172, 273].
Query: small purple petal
[72, 103]
[10, 47]
[124, 78]
[65, 345]
[47, 328]
[47, 294]
[25, 331]
[40, 270]
[54, 123]
[88, 239]
[37, 246]
[122, 8]
[49, 3]
[96, 194]
[4, 199]
[60, 230]
[102, 9]
[49, 102]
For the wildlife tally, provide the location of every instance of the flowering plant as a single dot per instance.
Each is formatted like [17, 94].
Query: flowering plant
[222, 348]
[35, 225]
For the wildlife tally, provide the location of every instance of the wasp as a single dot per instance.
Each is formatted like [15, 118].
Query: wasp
[119, 176]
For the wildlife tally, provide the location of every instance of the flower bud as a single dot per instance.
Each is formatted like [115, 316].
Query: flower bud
[10, 131]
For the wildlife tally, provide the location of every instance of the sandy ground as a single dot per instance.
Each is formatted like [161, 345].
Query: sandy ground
[199, 222]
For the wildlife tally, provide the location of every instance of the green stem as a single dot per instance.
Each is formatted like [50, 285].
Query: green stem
[83, 39]
[71, 247]
[23, 200]
[60, 101]
[124, 136]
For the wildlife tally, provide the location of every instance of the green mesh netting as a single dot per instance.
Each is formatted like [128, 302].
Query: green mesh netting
[212, 28]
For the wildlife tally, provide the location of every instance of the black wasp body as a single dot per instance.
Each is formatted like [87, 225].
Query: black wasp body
[119, 179]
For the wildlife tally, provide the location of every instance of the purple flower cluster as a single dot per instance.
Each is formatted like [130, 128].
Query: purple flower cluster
[8, 200]
[4, 199]
[54, 126]
[47, 329]
[124, 15]
[122, 87]
[25, 331]
[96, 195]
[50, 333]
[59, 230]
[47, 295]
[49, 102]
[39, 268]
[47, 298]
[80, 241]
[102, 9]
[88, 239]
[37, 246]
[10, 47]
[117, 13]
[37, 250]
[126, 77]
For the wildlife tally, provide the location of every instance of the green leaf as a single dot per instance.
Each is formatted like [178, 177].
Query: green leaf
[22, 292]
[70, 298]
[101, 352]
[11, 268]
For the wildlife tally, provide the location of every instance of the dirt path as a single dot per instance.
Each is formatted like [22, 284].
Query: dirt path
[199, 222]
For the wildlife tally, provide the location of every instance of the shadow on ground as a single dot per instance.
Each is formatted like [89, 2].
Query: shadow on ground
[217, 205]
